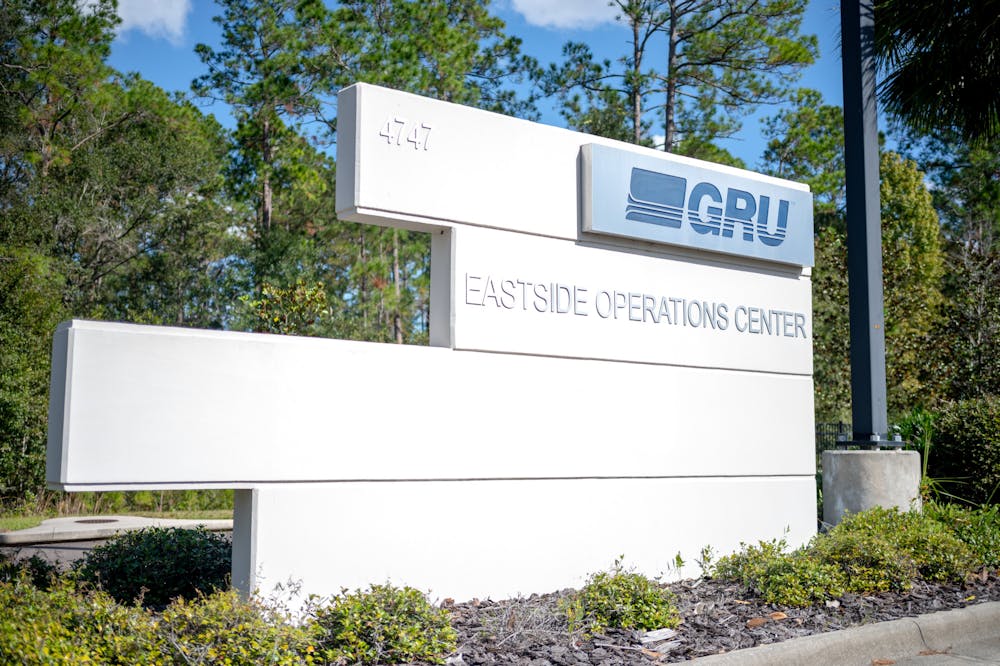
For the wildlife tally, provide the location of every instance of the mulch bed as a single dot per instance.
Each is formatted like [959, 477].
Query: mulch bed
[716, 617]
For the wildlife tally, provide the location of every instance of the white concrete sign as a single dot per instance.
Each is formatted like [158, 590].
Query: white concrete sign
[593, 390]
[144, 405]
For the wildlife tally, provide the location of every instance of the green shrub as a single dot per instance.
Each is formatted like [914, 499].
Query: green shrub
[937, 553]
[868, 563]
[873, 551]
[64, 625]
[799, 579]
[786, 579]
[621, 599]
[156, 565]
[222, 628]
[38, 570]
[978, 528]
[966, 450]
[70, 625]
[745, 565]
[384, 624]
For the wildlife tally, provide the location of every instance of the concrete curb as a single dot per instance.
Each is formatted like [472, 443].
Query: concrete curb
[81, 528]
[858, 646]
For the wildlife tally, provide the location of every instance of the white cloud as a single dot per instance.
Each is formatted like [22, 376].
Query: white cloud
[565, 13]
[164, 19]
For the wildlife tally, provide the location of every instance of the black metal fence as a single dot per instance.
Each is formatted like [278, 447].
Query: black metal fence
[827, 434]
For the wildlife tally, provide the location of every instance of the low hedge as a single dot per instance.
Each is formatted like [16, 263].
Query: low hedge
[222, 628]
[46, 619]
[155, 565]
[965, 452]
[71, 624]
[878, 550]
[780, 577]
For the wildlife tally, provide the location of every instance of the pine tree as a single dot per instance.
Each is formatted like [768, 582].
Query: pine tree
[699, 65]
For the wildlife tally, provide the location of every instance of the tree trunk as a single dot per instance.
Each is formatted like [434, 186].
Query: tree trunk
[265, 204]
[636, 93]
[670, 107]
[383, 312]
[363, 287]
[397, 317]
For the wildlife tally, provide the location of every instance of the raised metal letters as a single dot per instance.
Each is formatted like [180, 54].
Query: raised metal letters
[507, 293]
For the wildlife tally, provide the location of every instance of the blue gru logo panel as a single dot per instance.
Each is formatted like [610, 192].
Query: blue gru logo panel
[699, 205]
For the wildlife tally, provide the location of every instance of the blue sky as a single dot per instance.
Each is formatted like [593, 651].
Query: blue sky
[157, 39]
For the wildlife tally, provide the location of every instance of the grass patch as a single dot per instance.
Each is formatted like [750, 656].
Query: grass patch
[14, 523]
[207, 514]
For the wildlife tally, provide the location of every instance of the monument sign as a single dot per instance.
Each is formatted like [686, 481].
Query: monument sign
[620, 363]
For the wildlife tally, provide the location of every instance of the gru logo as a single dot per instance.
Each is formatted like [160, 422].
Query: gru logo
[659, 198]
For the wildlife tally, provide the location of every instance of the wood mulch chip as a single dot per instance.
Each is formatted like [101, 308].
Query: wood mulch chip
[716, 617]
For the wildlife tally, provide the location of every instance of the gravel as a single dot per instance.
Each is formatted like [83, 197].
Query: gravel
[716, 617]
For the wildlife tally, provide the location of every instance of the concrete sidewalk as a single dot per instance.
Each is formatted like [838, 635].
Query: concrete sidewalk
[969, 635]
[81, 528]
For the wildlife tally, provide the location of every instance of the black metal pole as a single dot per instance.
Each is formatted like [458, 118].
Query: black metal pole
[864, 233]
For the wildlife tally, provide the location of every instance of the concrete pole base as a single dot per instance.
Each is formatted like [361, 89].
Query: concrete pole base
[857, 480]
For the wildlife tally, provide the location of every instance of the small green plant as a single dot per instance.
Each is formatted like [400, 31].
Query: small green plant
[745, 565]
[798, 579]
[917, 429]
[384, 624]
[621, 599]
[156, 565]
[706, 560]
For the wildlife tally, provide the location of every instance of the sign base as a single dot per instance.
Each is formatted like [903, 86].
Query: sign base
[857, 480]
[500, 539]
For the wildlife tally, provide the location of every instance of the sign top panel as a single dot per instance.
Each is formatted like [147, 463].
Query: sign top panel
[646, 197]
[409, 161]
